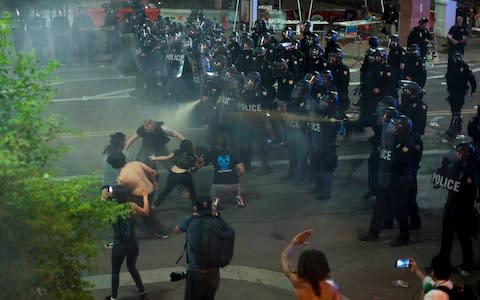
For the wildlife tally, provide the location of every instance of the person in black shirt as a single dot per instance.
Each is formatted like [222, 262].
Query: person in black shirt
[228, 169]
[185, 162]
[125, 242]
[390, 17]
[154, 140]
[457, 37]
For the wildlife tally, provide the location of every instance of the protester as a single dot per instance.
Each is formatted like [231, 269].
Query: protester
[125, 242]
[438, 279]
[310, 280]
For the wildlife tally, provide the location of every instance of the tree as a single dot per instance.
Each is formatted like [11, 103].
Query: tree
[49, 228]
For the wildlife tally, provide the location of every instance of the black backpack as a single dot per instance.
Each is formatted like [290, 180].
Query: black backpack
[459, 292]
[214, 246]
[124, 228]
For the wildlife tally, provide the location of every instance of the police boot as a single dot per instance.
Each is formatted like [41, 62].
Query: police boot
[455, 125]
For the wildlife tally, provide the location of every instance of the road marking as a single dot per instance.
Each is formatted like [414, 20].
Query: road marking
[90, 98]
[90, 79]
[232, 272]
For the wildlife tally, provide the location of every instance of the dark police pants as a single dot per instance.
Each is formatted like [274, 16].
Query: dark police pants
[463, 230]
[399, 201]
[202, 284]
[297, 142]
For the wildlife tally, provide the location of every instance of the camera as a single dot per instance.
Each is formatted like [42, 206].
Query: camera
[176, 276]
[403, 263]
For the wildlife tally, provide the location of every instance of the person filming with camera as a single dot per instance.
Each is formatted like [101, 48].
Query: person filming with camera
[209, 243]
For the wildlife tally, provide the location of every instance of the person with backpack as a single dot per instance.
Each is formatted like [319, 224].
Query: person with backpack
[311, 279]
[125, 242]
[185, 162]
[209, 244]
[437, 285]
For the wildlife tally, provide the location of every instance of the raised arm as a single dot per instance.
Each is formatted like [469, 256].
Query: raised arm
[162, 157]
[143, 211]
[173, 133]
[131, 140]
[299, 239]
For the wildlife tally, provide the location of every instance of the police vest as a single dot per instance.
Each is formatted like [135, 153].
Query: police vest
[445, 182]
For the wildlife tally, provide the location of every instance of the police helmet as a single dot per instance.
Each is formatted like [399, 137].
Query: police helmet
[288, 32]
[331, 36]
[237, 82]
[465, 152]
[307, 24]
[374, 42]
[380, 53]
[457, 57]
[394, 41]
[413, 50]
[280, 67]
[316, 39]
[391, 113]
[423, 20]
[248, 44]
[309, 77]
[234, 37]
[411, 89]
[330, 98]
[316, 52]
[389, 101]
[259, 51]
[253, 77]
[301, 89]
[327, 75]
[403, 126]
[265, 39]
[335, 56]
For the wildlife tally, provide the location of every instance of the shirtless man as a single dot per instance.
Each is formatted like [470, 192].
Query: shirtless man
[141, 182]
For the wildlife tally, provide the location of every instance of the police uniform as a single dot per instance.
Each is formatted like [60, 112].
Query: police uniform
[341, 80]
[323, 126]
[396, 60]
[233, 49]
[421, 37]
[394, 183]
[415, 70]
[253, 107]
[459, 179]
[244, 62]
[458, 76]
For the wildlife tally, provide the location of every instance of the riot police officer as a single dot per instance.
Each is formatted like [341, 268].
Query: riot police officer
[316, 60]
[264, 68]
[296, 131]
[322, 84]
[297, 61]
[37, 26]
[421, 36]
[394, 181]
[83, 35]
[324, 124]
[341, 78]
[254, 106]
[474, 128]
[369, 58]
[459, 76]
[305, 34]
[287, 35]
[413, 107]
[396, 57]
[378, 82]
[266, 42]
[233, 48]
[259, 28]
[415, 68]
[245, 59]
[285, 82]
[61, 37]
[457, 175]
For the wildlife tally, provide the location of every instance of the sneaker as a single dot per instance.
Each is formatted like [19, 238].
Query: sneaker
[161, 235]
[368, 237]
[108, 245]
[215, 203]
[462, 271]
[240, 202]
[143, 295]
[398, 242]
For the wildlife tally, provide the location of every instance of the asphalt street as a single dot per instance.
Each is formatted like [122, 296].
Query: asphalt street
[96, 101]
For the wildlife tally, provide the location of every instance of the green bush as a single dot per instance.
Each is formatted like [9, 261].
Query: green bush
[49, 228]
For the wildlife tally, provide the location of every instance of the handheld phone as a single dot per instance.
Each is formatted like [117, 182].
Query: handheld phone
[110, 189]
[403, 263]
